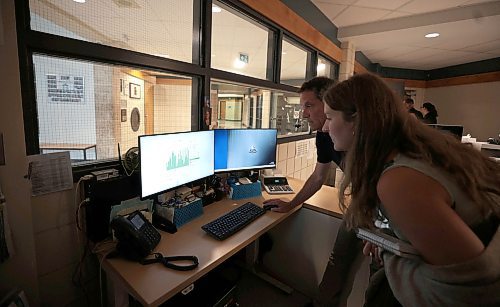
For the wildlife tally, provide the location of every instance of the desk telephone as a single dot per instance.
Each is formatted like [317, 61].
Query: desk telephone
[136, 236]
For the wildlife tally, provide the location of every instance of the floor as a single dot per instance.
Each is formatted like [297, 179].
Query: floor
[255, 292]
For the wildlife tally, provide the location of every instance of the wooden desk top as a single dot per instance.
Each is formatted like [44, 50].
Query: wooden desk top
[153, 284]
[66, 146]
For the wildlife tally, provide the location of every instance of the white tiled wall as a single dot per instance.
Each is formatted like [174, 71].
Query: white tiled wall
[291, 165]
[299, 166]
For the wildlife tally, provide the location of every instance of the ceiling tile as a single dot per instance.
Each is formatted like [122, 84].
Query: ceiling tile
[381, 4]
[495, 52]
[391, 53]
[423, 6]
[395, 14]
[357, 15]
[476, 1]
[344, 2]
[330, 10]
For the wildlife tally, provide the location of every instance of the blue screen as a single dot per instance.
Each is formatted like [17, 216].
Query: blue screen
[240, 149]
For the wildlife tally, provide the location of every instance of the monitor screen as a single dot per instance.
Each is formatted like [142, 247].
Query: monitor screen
[171, 160]
[455, 130]
[241, 149]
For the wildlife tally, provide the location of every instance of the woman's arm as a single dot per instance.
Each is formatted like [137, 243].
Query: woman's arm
[420, 207]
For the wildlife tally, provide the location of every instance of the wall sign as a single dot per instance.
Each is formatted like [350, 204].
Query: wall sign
[244, 58]
[65, 89]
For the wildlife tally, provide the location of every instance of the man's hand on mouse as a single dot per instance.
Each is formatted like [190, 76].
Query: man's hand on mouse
[281, 205]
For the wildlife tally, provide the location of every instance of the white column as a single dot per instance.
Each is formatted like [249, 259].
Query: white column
[347, 61]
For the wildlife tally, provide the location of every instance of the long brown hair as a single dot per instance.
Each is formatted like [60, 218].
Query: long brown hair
[382, 126]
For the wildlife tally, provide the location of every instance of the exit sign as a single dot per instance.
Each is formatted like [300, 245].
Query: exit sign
[244, 58]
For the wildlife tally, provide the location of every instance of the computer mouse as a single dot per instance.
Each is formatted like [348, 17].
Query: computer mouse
[269, 206]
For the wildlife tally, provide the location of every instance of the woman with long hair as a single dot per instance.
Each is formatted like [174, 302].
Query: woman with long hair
[429, 113]
[439, 195]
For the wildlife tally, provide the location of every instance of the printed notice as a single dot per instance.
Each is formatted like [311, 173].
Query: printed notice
[50, 173]
[301, 148]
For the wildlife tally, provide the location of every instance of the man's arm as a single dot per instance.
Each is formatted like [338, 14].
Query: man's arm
[311, 186]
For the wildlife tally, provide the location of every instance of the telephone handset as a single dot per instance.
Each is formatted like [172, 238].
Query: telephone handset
[136, 236]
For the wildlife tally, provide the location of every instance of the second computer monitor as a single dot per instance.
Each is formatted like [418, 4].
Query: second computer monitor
[244, 149]
[455, 130]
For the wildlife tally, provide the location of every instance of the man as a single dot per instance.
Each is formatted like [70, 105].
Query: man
[337, 280]
[409, 103]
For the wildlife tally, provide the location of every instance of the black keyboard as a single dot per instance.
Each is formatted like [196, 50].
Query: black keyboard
[228, 224]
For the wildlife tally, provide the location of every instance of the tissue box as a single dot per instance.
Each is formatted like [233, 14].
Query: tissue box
[188, 212]
[240, 191]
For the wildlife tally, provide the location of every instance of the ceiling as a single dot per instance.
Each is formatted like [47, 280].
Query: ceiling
[391, 32]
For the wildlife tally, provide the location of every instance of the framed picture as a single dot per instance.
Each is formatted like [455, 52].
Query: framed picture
[123, 115]
[123, 87]
[134, 90]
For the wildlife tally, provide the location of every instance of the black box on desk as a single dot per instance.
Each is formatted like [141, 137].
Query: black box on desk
[240, 191]
[102, 195]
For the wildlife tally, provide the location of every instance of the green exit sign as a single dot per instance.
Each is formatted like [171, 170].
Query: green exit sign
[244, 58]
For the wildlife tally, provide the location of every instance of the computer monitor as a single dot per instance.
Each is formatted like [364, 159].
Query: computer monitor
[244, 149]
[455, 130]
[171, 160]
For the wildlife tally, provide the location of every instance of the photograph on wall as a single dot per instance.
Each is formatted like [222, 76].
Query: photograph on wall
[123, 115]
[134, 90]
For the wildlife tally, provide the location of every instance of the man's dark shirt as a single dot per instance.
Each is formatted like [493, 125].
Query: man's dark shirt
[417, 113]
[326, 152]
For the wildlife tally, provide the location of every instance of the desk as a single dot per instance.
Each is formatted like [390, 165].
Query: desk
[48, 148]
[303, 243]
[154, 284]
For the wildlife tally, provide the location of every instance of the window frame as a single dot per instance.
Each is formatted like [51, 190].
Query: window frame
[31, 42]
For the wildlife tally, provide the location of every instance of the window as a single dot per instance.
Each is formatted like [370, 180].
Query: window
[118, 69]
[293, 63]
[326, 68]
[239, 44]
[239, 106]
[160, 28]
[89, 108]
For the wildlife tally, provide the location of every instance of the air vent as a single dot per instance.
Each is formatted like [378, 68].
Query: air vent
[131, 4]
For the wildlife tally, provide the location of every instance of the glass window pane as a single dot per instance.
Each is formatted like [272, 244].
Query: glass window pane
[89, 108]
[161, 28]
[288, 119]
[240, 106]
[325, 68]
[293, 64]
[239, 45]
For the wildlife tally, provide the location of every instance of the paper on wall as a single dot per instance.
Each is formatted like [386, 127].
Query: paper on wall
[50, 173]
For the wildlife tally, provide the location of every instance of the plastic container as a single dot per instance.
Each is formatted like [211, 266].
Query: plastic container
[240, 191]
[188, 212]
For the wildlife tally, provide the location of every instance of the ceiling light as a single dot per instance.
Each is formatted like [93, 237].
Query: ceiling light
[216, 9]
[284, 52]
[79, 1]
[238, 64]
[162, 55]
[432, 35]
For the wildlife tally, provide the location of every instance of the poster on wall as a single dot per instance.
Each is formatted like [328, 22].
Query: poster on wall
[134, 91]
[65, 89]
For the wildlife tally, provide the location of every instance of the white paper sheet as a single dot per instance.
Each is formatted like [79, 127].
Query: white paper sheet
[50, 173]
